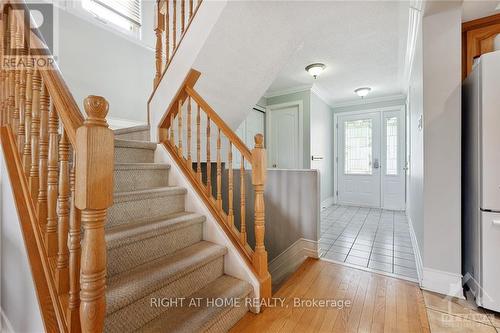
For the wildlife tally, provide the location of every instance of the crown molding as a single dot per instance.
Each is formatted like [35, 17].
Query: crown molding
[371, 100]
[321, 93]
[293, 90]
[415, 13]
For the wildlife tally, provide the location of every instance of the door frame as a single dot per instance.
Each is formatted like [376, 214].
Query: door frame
[399, 108]
[269, 114]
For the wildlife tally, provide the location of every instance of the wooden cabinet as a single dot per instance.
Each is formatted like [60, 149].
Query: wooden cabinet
[478, 37]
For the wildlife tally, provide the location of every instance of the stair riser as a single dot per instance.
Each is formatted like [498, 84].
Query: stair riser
[148, 208]
[131, 255]
[136, 135]
[137, 314]
[227, 320]
[133, 155]
[140, 179]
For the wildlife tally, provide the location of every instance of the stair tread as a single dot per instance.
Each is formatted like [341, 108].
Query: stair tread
[148, 193]
[138, 128]
[139, 166]
[129, 286]
[135, 144]
[193, 318]
[129, 233]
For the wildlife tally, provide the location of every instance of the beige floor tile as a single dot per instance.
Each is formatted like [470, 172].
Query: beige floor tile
[444, 323]
[456, 307]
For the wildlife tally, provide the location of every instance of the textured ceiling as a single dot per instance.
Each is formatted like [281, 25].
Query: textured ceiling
[474, 9]
[362, 44]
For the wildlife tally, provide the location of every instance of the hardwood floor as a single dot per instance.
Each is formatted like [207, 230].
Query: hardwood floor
[379, 303]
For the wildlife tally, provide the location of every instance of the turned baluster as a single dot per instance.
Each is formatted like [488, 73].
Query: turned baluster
[219, 171]
[258, 182]
[209, 163]
[172, 136]
[74, 258]
[158, 32]
[230, 212]
[198, 145]
[189, 122]
[52, 184]
[94, 194]
[190, 9]
[2, 71]
[12, 75]
[35, 134]
[43, 157]
[8, 72]
[27, 122]
[17, 85]
[22, 112]
[243, 227]
[167, 31]
[62, 277]
[174, 25]
[183, 16]
[179, 128]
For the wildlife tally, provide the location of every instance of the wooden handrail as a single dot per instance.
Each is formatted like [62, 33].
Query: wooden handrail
[235, 139]
[170, 28]
[41, 128]
[62, 98]
[175, 128]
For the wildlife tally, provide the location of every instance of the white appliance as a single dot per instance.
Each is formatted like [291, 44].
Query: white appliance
[481, 181]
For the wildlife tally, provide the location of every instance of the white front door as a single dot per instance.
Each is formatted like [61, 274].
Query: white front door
[371, 159]
[358, 160]
[283, 140]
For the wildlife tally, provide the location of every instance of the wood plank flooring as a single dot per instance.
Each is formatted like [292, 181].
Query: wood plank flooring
[379, 303]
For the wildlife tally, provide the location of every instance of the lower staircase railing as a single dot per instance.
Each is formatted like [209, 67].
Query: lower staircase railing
[61, 168]
[193, 133]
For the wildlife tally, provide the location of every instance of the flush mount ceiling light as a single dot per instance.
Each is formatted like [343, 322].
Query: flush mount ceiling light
[315, 69]
[362, 92]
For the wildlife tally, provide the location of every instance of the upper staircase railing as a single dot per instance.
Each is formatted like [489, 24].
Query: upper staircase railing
[191, 131]
[173, 18]
[60, 164]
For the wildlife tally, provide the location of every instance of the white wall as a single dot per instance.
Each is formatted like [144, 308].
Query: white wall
[415, 109]
[434, 192]
[18, 297]
[322, 144]
[442, 139]
[95, 59]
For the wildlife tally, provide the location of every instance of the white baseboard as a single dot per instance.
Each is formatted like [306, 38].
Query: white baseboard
[441, 282]
[416, 250]
[327, 202]
[445, 283]
[117, 123]
[290, 259]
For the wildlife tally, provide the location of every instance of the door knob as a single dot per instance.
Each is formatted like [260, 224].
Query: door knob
[376, 164]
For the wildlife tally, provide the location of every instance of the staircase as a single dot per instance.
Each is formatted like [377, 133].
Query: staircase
[156, 252]
[109, 241]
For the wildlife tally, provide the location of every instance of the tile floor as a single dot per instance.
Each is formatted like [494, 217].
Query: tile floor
[450, 315]
[374, 239]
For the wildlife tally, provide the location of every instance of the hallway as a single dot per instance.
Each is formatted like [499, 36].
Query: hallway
[373, 239]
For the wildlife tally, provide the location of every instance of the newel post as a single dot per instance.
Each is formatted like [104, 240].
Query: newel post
[93, 195]
[259, 169]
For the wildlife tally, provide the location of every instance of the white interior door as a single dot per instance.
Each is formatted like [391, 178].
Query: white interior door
[359, 159]
[393, 160]
[283, 140]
